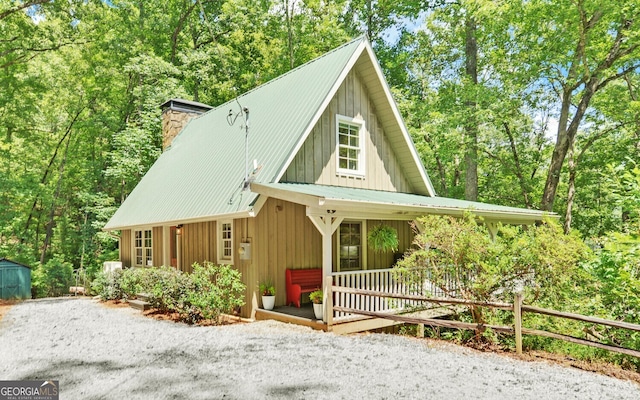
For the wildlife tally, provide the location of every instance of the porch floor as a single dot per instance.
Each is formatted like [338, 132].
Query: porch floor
[345, 325]
[293, 315]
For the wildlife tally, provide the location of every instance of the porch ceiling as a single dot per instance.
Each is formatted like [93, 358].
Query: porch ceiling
[375, 204]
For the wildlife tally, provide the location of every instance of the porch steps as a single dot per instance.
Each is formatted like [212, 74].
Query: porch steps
[141, 303]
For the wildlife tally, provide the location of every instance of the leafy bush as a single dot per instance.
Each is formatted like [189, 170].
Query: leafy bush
[107, 285]
[214, 289]
[207, 292]
[130, 282]
[52, 279]
[165, 287]
[540, 259]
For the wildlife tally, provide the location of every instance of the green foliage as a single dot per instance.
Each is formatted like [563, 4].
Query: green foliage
[165, 287]
[316, 296]
[207, 292]
[383, 238]
[267, 288]
[107, 285]
[215, 289]
[52, 279]
[540, 259]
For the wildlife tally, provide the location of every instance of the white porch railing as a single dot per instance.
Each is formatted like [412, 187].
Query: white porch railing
[382, 280]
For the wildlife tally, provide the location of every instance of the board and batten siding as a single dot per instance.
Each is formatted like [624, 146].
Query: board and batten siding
[381, 260]
[157, 243]
[375, 259]
[197, 244]
[316, 160]
[281, 237]
[126, 248]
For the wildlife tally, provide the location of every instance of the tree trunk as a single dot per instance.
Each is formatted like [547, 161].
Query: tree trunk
[516, 160]
[289, 18]
[571, 194]
[50, 222]
[565, 140]
[471, 124]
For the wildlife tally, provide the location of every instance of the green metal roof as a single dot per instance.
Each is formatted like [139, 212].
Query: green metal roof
[200, 176]
[394, 204]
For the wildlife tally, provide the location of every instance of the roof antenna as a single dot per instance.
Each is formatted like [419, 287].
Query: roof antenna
[231, 119]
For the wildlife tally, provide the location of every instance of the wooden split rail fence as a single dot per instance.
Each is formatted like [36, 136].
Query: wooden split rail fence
[517, 307]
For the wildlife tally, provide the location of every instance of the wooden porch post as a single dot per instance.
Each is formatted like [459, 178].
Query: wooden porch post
[327, 225]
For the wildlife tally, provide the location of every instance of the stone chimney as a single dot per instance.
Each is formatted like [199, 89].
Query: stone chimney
[175, 115]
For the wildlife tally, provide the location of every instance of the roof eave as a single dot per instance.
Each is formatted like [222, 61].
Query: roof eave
[400, 121]
[374, 210]
[242, 214]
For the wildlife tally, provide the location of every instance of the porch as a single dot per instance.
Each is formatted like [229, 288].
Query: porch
[342, 291]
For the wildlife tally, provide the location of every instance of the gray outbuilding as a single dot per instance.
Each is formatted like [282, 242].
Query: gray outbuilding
[15, 280]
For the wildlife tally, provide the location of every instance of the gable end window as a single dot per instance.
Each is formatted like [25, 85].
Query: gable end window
[143, 248]
[350, 146]
[225, 242]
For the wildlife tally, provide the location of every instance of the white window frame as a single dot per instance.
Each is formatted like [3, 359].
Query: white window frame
[360, 153]
[225, 243]
[143, 247]
[363, 244]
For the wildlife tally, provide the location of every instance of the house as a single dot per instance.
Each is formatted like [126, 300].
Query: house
[291, 174]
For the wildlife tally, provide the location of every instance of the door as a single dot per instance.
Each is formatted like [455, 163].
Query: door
[9, 283]
[173, 246]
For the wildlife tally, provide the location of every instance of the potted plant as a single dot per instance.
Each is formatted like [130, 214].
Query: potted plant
[383, 238]
[316, 298]
[268, 293]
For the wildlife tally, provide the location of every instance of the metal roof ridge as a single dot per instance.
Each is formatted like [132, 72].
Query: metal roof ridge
[289, 72]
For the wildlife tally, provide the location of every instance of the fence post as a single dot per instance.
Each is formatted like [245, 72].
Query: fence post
[420, 332]
[517, 320]
[328, 301]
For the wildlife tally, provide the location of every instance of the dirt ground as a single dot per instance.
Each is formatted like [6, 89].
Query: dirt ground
[5, 306]
[99, 352]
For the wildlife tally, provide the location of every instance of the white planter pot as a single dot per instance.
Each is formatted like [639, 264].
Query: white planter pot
[318, 310]
[268, 302]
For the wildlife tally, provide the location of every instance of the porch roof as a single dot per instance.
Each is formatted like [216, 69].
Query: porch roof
[364, 203]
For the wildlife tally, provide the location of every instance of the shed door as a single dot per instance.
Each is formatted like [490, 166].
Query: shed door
[9, 283]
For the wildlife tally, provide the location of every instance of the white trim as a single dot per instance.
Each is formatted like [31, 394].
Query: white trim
[175, 222]
[348, 67]
[221, 242]
[147, 259]
[363, 138]
[363, 243]
[400, 121]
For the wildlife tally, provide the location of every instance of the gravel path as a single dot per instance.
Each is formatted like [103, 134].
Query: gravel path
[114, 353]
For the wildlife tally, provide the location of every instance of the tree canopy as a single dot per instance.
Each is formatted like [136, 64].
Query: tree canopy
[522, 103]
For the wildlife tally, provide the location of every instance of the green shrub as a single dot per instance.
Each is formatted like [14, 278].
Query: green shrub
[166, 287]
[131, 282]
[215, 289]
[52, 279]
[107, 285]
[207, 292]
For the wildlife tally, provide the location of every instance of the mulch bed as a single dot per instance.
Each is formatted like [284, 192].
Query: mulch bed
[174, 317]
[5, 305]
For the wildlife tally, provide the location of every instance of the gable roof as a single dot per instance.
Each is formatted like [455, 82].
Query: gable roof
[200, 176]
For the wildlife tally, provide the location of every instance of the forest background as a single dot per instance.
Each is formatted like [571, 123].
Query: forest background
[526, 103]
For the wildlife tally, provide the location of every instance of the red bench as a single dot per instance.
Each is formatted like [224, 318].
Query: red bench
[302, 281]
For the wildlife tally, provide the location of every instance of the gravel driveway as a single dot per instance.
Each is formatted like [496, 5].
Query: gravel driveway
[115, 353]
